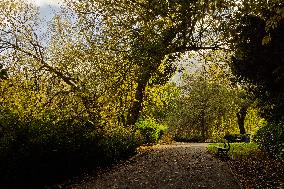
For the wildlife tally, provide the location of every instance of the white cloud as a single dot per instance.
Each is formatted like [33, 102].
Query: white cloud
[46, 2]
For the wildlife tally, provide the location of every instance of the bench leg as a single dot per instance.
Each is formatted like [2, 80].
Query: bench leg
[222, 153]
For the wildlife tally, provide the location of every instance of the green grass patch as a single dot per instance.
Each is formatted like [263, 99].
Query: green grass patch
[237, 149]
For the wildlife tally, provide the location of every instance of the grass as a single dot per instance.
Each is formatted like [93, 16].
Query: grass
[237, 149]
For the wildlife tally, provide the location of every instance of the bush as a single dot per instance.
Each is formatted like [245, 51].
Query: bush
[271, 139]
[150, 131]
[37, 152]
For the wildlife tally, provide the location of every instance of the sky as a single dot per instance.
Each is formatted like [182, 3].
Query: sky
[43, 3]
[47, 8]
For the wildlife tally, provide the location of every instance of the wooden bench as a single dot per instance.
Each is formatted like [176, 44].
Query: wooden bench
[223, 151]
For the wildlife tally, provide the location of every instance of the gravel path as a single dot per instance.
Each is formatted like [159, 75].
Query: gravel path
[180, 165]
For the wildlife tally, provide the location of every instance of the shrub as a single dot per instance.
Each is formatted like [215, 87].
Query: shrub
[38, 152]
[150, 131]
[271, 139]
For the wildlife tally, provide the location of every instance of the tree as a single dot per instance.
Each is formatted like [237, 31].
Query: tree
[206, 109]
[208, 103]
[259, 63]
[66, 61]
[160, 101]
[151, 34]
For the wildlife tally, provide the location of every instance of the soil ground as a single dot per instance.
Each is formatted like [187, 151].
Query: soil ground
[179, 165]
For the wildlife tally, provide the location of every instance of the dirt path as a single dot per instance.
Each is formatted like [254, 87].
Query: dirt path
[167, 166]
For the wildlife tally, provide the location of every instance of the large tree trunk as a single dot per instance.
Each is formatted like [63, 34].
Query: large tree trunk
[136, 108]
[157, 54]
[241, 119]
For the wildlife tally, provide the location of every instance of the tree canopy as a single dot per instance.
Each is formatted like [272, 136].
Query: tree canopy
[259, 61]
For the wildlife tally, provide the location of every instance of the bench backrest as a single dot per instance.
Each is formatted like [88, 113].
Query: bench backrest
[227, 146]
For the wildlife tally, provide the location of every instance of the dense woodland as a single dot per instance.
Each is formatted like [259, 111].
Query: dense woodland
[110, 75]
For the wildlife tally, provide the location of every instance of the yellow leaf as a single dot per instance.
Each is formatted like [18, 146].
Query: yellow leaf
[266, 40]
